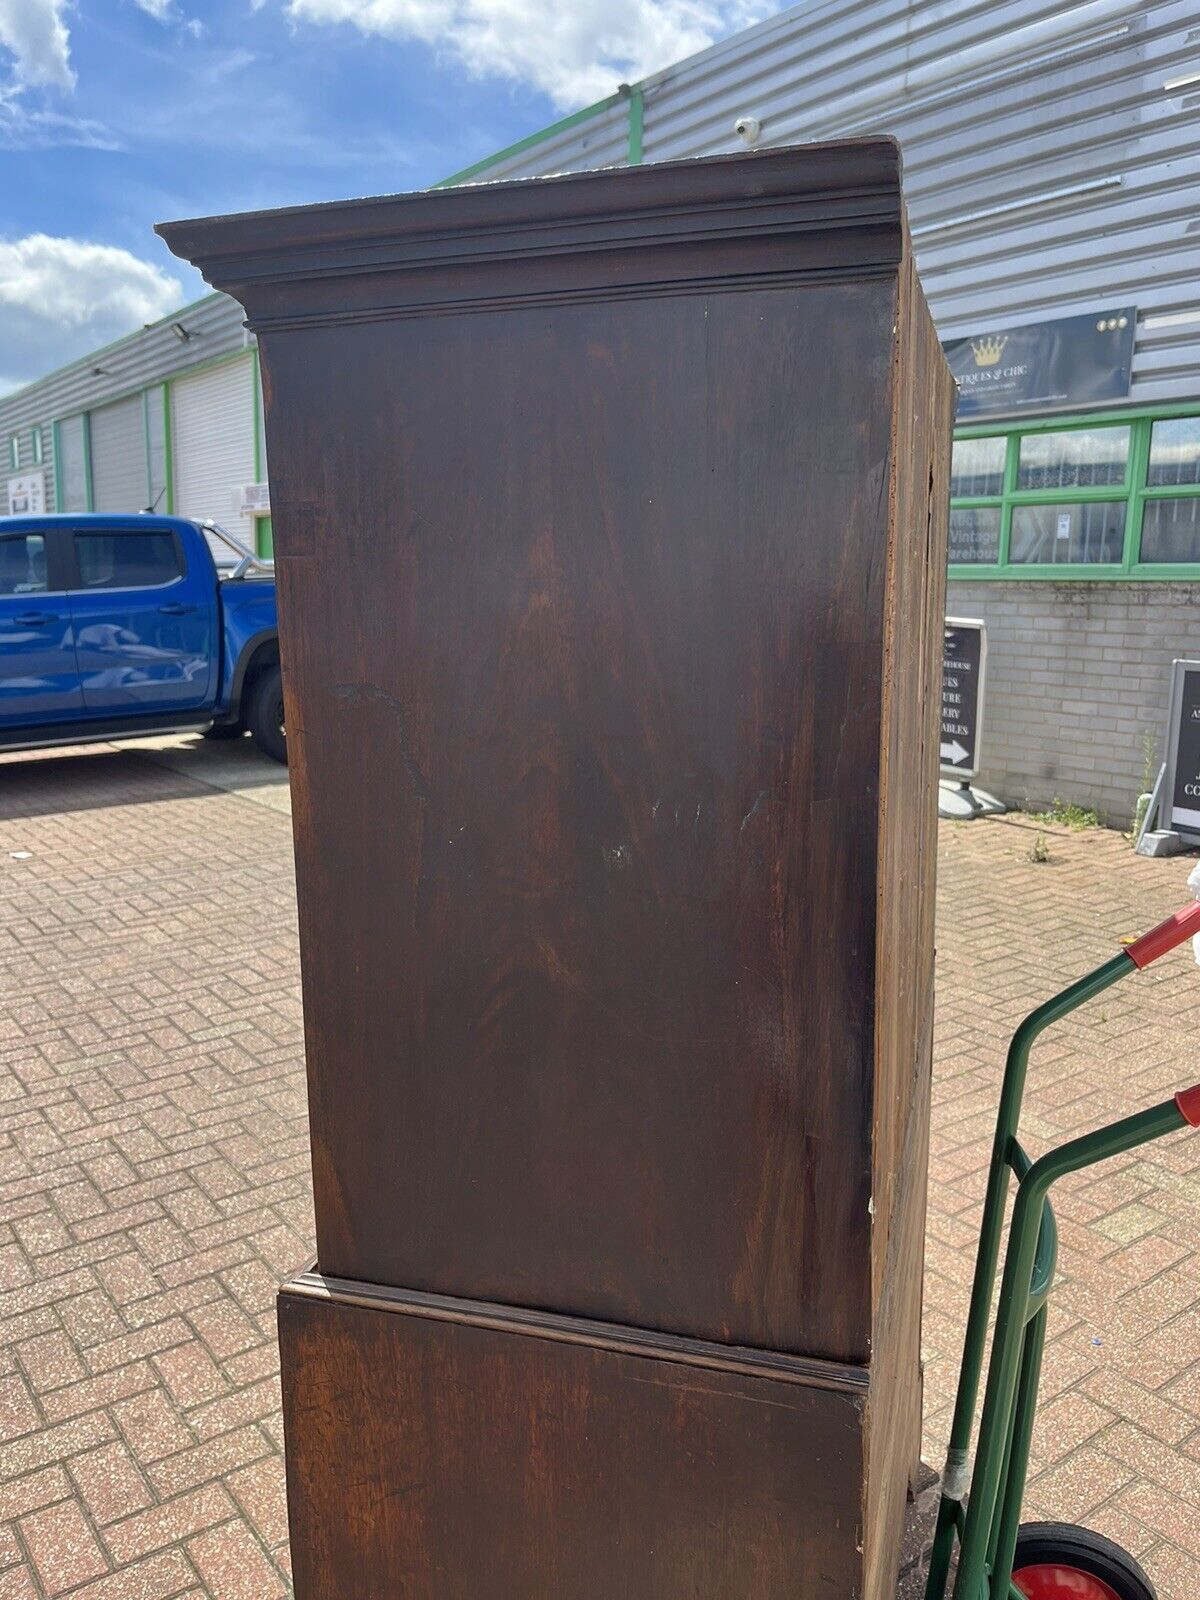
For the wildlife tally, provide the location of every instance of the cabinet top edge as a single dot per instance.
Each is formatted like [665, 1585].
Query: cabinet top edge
[847, 184]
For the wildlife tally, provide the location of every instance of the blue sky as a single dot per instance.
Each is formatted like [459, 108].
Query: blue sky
[116, 114]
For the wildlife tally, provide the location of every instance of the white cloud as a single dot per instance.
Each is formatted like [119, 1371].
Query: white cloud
[60, 298]
[169, 14]
[576, 51]
[34, 34]
[26, 127]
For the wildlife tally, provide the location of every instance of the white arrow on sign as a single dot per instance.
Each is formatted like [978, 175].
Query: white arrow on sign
[954, 753]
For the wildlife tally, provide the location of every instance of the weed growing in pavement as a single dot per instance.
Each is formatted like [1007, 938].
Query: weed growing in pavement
[1068, 815]
[1039, 850]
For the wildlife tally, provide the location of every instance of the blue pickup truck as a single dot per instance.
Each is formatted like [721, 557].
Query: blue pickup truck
[115, 627]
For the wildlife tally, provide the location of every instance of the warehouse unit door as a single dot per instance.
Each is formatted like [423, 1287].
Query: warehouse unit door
[212, 443]
[72, 465]
[119, 456]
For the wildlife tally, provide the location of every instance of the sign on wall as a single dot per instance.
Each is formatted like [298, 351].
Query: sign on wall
[1068, 361]
[1181, 802]
[27, 495]
[255, 499]
[964, 659]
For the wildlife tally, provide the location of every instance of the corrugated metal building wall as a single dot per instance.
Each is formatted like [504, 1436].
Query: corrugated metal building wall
[1050, 168]
[1049, 163]
[120, 371]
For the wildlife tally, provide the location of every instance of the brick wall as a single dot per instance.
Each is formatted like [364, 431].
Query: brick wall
[1077, 674]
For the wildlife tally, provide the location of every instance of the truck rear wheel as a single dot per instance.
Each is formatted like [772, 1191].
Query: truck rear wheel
[264, 714]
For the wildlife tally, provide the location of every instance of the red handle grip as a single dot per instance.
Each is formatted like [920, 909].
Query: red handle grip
[1183, 925]
[1188, 1101]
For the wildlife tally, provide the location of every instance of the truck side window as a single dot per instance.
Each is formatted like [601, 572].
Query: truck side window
[22, 564]
[126, 560]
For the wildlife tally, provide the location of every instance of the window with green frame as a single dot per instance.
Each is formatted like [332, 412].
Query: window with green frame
[1078, 497]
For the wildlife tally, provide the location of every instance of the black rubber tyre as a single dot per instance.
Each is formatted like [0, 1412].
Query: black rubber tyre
[1061, 1544]
[225, 730]
[264, 714]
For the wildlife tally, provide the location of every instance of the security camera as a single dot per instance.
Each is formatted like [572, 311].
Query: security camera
[748, 129]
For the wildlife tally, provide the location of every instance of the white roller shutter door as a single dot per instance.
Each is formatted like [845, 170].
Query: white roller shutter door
[212, 444]
[72, 465]
[119, 456]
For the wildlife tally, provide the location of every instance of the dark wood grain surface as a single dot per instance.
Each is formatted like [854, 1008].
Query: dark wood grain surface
[609, 515]
[434, 1460]
[586, 823]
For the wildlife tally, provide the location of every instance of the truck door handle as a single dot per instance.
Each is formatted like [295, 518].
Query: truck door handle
[175, 610]
[35, 619]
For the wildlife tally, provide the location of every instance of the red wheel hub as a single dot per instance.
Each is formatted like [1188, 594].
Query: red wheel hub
[1050, 1580]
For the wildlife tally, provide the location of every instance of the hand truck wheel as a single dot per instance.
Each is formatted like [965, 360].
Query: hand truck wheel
[1057, 1561]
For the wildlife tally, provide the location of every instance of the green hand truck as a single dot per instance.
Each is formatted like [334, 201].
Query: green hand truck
[980, 1509]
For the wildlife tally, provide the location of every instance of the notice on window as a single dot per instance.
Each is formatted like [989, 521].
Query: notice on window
[1062, 528]
[27, 495]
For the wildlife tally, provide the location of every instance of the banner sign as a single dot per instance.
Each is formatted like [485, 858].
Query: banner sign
[1181, 796]
[1071, 361]
[964, 658]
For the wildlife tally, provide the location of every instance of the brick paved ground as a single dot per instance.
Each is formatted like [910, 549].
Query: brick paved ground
[154, 1177]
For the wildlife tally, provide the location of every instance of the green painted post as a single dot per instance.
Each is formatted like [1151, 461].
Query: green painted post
[168, 450]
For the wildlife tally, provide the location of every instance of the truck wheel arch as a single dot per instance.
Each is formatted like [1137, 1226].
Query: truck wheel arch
[260, 650]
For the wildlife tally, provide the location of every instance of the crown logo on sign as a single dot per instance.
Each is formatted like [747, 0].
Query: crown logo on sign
[988, 351]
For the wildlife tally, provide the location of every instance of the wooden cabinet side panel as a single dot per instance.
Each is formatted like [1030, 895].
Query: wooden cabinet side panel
[924, 399]
[434, 1461]
[582, 610]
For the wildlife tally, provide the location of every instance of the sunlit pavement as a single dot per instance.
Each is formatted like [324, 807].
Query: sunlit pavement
[154, 1173]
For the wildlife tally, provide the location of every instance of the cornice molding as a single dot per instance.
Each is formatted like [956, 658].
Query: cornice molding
[720, 222]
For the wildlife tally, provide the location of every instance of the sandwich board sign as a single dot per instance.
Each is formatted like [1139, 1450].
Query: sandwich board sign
[964, 662]
[1181, 791]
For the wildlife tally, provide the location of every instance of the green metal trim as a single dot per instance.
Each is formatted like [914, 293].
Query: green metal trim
[88, 497]
[1007, 1521]
[1075, 419]
[637, 126]
[146, 445]
[57, 467]
[38, 444]
[264, 541]
[1006, 1155]
[168, 449]
[563, 125]
[1017, 573]
[988, 1496]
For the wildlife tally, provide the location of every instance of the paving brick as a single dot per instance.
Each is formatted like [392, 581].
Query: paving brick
[62, 1547]
[261, 1493]
[233, 1565]
[151, 1426]
[168, 1523]
[110, 1482]
[154, 1185]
